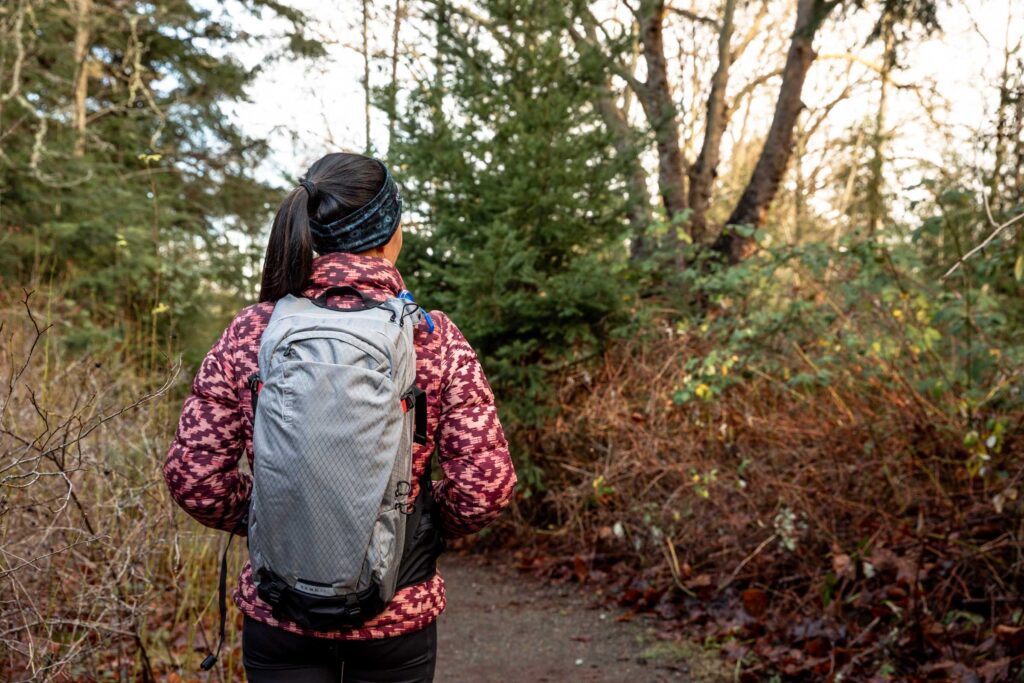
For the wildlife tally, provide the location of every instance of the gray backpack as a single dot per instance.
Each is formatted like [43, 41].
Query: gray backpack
[332, 530]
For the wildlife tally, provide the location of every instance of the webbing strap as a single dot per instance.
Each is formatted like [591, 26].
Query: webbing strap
[420, 430]
[222, 596]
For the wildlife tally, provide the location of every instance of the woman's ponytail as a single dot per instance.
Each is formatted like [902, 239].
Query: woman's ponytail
[289, 259]
[333, 187]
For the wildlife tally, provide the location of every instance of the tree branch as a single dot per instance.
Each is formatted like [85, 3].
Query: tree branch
[692, 16]
[589, 41]
[988, 240]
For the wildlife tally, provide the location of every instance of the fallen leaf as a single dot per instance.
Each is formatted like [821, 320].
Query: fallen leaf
[1011, 635]
[755, 601]
[580, 568]
[842, 565]
[699, 581]
[817, 647]
[995, 671]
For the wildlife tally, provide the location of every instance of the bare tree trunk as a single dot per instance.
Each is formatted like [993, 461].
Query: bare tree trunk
[83, 35]
[756, 199]
[704, 171]
[662, 114]
[1017, 169]
[366, 71]
[876, 179]
[800, 193]
[655, 97]
[1007, 133]
[638, 208]
[624, 139]
[393, 89]
[15, 39]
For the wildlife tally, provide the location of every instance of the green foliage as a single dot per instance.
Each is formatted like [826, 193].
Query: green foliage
[523, 226]
[873, 317]
[145, 214]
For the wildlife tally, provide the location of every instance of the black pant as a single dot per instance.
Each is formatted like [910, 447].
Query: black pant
[273, 655]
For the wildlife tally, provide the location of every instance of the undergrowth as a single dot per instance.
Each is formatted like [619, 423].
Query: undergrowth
[101, 578]
[821, 469]
[811, 459]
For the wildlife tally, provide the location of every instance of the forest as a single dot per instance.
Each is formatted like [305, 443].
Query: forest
[745, 276]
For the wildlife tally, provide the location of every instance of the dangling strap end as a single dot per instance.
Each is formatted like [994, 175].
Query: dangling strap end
[222, 591]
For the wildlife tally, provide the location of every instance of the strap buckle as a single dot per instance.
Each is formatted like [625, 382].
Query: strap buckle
[352, 606]
[270, 588]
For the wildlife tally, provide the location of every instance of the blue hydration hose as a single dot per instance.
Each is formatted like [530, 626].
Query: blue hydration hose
[407, 295]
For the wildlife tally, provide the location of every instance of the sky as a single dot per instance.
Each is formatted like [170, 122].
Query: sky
[309, 107]
[306, 109]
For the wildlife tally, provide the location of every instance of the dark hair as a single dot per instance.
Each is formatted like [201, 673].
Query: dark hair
[342, 182]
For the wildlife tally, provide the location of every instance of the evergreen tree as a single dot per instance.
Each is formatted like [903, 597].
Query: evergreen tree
[513, 196]
[125, 186]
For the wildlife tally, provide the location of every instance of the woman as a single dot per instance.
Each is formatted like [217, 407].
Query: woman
[347, 209]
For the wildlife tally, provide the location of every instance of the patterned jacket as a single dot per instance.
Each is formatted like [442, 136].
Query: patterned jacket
[202, 467]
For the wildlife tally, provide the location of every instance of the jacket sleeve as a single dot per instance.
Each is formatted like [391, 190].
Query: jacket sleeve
[201, 469]
[473, 452]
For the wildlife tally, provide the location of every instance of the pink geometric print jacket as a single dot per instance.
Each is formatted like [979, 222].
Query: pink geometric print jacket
[202, 467]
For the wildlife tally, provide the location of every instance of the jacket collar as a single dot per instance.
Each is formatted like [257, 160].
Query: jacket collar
[371, 275]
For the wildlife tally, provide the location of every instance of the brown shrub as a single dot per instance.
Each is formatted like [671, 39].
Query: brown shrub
[852, 502]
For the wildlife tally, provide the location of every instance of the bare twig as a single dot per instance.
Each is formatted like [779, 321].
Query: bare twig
[746, 560]
[988, 240]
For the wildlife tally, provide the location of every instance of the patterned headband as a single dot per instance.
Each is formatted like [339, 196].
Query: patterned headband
[369, 226]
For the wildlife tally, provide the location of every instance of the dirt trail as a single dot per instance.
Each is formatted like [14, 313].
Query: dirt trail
[502, 626]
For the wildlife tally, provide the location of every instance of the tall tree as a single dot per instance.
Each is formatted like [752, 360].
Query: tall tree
[655, 96]
[392, 94]
[626, 141]
[702, 173]
[83, 19]
[1006, 181]
[519, 228]
[683, 186]
[122, 180]
[735, 243]
[757, 197]
[876, 180]
[689, 186]
[367, 105]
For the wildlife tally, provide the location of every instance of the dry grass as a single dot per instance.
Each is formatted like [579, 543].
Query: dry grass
[101, 578]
